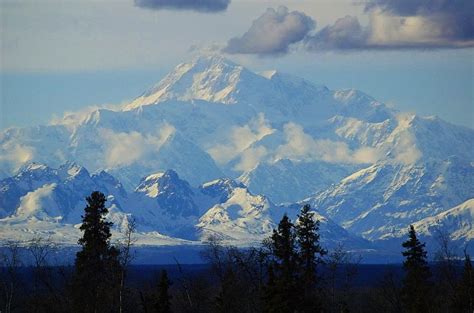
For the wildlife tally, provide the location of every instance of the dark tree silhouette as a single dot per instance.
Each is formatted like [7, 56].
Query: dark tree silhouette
[464, 301]
[97, 267]
[269, 292]
[284, 290]
[416, 284]
[310, 255]
[163, 304]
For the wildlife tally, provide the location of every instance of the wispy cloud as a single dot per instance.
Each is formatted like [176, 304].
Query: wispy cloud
[40, 203]
[14, 155]
[72, 119]
[404, 150]
[250, 158]
[207, 6]
[240, 139]
[300, 146]
[123, 149]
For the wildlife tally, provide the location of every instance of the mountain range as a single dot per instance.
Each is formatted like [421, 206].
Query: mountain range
[217, 149]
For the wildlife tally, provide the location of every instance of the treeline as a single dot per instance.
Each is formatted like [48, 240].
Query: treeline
[289, 272]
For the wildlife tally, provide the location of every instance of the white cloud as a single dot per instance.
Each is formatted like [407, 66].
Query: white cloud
[402, 143]
[405, 150]
[367, 155]
[123, 149]
[251, 158]
[71, 119]
[388, 30]
[39, 203]
[408, 156]
[16, 155]
[240, 139]
[300, 146]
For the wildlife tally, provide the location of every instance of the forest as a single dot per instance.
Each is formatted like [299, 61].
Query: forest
[288, 272]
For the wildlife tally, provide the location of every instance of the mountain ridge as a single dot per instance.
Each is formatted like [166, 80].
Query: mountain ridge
[163, 206]
[284, 137]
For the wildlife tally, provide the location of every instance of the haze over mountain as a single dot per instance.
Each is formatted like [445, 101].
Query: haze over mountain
[220, 127]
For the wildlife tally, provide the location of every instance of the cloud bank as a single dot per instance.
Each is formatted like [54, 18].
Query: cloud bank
[244, 147]
[206, 6]
[300, 146]
[272, 33]
[393, 24]
[246, 150]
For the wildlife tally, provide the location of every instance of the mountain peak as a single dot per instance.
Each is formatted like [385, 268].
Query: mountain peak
[171, 173]
[155, 184]
[213, 78]
[208, 77]
[222, 188]
[210, 60]
[34, 166]
[173, 195]
[72, 169]
[352, 95]
[35, 172]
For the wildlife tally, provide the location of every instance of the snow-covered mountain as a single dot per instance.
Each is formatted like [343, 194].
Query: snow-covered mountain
[208, 111]
[366, 166]
[242, 216]
[384, 198]
[167, 210]
[43, 192]
[457, 221]
[286, 181]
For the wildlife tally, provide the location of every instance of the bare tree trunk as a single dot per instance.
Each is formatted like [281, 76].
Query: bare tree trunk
[40, 249]
[11, 261]
[126, 257]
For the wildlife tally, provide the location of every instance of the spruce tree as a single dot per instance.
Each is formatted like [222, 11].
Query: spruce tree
[163, 304]
[284, 293]
[96, 266]
[269, 292]
[416, 284]
[310, 255]
[464, 302]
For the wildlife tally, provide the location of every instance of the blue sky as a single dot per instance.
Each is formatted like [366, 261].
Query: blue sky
[59, 56]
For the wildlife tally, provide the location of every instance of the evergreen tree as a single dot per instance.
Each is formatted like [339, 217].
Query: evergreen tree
[284, 293]
[416, 285]
[269, 291]
[96, 267]
[163, 304]
[310, 255]
[464, 302]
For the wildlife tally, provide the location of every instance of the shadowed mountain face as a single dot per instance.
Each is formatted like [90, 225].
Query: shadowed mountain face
[367, 167]
[171, 193]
